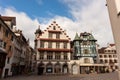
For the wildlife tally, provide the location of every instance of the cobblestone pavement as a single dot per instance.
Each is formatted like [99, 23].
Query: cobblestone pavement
[107, 76]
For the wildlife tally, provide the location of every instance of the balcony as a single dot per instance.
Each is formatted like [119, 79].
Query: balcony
[54, 40]
[54, 50]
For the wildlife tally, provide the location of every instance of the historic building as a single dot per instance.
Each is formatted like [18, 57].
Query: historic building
[108, 55]
[7, 39]
[3, 51]
[15, 52]
[85, 55]
[53, 50]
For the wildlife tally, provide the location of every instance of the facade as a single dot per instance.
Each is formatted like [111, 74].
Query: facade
[85, 55]
[53, 50]
[15, 52]
[7, 39]
[3, 51]
[114, 14]
[108, 55]
[56, 54]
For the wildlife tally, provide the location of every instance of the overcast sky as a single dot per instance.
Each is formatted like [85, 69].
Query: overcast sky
[72, 15]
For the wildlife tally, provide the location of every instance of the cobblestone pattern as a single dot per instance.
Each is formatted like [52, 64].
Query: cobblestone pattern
[109, 76]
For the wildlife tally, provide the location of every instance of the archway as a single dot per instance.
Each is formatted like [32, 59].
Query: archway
[75, 69]
[49, 68]
[57, 68]
[40, 68]
[65, 68]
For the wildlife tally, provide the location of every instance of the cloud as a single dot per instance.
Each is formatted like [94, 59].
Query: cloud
[23, 22]
[92, 16]
[89, 16]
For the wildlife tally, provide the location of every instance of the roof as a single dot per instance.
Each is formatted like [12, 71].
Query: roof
[6, 18]
[101, 50]
[77, 37]
[90, 36]
[112, 44]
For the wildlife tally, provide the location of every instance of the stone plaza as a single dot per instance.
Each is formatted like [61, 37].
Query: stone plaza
[106, 76]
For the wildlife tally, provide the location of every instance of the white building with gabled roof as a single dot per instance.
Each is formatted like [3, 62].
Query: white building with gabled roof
[53, 50]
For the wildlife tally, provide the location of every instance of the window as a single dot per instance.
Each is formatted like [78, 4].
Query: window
[110, 61]
[49, 44]
[65, 45]
[4, 45]
[116, 67]
[115, 61]
[114, 56]
[57, 56]
[106, 61]
[6, 33]
[101, 61]
[42, 44]
[84, 42]
[41, 55]
[49, 55]
[86, 60]
[54, 28]
[57, 36]
[110, 56]
[86, 51]
[108, 50]
[100, 56]
[105, 56]
[65, 56]
[50, 35]
[57, 45]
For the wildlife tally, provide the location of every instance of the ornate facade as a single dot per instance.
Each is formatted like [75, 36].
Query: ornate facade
[85, 55]
[53, 50]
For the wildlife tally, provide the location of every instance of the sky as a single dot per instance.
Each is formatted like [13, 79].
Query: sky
[74, 16]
